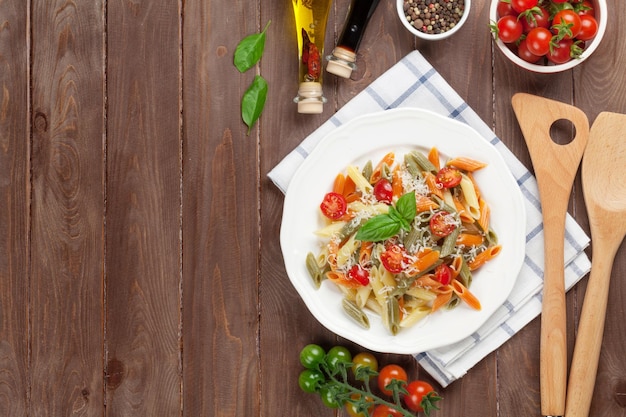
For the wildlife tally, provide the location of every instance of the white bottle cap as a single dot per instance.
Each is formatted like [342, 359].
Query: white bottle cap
[341, 62]
[310, 98]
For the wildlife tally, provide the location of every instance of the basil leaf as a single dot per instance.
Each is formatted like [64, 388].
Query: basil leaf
[250, 50]
[253, 101]
[407, 207]
[378, 228]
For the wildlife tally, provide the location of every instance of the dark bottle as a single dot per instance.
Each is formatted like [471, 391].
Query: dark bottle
[342, 61]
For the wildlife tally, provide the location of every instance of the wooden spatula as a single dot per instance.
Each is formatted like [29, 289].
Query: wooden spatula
[603, 173]
[555, 168]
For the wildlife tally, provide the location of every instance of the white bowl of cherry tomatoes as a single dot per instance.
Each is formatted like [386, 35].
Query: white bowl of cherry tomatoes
[548, 36]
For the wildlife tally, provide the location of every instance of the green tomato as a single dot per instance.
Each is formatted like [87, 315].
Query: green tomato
[328, 397]
[311, 356]
[311, 380]
[337, 356]
[360, 362]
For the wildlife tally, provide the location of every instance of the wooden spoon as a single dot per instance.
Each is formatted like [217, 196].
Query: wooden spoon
[555, 168]
[603, 170]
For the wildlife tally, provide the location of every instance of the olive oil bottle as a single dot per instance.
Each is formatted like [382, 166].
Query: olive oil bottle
[311, 17]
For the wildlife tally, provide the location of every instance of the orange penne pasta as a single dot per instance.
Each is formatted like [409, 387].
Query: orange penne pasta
[424, 203]
[485, 213]
[396, 184]
[341, 279]
[455, 266]
[433, 157]
[483, 257]
[466, 164]
[340, 182]
[463, 214]
[465, 295]
[430, 283]
[469, 239]
[442, 299]
[376, 172]
[429, 179]
[425, 260]
[365, 254]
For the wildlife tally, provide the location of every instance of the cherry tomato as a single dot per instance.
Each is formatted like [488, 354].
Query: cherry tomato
[353, 410]
[328, 398]
[443, 274]
[383, 191]
[537, 17]
[334, 205]
[311, 380]
[337, 356]
[393, 258]
[364, 360]
[509, 29]
[383, 410]
[442, 224]
[525, 54]
[585, 8]
[561, 53]
[505, 9]
[588, 27]
[448, 177]
[522, 5]
[566, 24]
[420, 396]
[538, 41]
[359, 274]
[311, 356]
[388, 374]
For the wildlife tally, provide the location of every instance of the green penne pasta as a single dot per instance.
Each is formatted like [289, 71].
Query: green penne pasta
[314, 269]
[355, 312]
[422, 161]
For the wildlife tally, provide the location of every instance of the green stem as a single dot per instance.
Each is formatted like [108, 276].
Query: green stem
[376, 400]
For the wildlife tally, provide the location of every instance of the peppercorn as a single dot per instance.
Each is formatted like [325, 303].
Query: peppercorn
[434, 16]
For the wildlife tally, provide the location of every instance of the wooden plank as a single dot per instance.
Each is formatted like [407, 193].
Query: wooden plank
[143, 164]
[220, 215]
[14, 206]
[286, 324]
[67, 208]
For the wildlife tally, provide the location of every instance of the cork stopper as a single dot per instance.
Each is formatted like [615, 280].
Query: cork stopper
[341, 62]
[310, 98]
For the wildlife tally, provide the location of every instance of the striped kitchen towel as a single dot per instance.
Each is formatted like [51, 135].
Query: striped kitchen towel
[413, 82]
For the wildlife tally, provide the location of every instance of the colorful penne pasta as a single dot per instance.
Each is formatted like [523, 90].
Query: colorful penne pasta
[405, 239]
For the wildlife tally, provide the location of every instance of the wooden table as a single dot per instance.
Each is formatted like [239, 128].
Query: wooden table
[140, 267]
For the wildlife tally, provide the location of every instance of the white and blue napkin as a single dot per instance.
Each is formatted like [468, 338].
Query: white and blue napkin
[413, 82]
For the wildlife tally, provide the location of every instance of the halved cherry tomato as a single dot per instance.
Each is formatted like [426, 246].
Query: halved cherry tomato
[334, 205]
[449, 177]
[383, 191]
[359, 274]
[389, 373]
[443, 274]
[393, 258]
[442, 224]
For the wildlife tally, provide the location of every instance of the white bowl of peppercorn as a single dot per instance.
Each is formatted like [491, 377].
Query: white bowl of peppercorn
[433, 19]
[548, 36]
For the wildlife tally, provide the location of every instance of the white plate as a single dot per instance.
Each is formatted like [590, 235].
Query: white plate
[370, 137]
